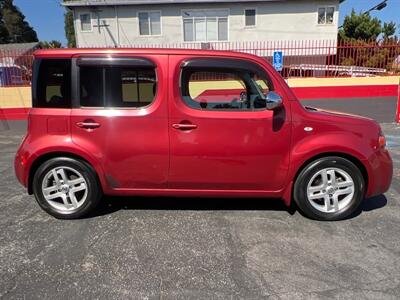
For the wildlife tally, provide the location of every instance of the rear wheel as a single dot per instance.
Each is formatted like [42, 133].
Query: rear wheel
[66, 188]
[330, 188]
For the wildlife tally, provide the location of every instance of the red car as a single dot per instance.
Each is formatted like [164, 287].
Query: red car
[189, 123]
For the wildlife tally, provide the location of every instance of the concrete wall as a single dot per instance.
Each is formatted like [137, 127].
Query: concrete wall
[15, 97]
[20, 97]
[290, 20]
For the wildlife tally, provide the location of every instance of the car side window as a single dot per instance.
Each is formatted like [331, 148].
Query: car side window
[117, 86]
[220, 89]
[138, 87]
[53, 84]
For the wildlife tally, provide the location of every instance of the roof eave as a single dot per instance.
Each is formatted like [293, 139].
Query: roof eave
[151, 2]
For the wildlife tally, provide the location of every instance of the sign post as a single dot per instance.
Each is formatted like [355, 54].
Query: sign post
[277, 60]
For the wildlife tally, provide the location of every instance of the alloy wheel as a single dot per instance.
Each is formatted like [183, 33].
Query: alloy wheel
[330, 190]
[65, 189]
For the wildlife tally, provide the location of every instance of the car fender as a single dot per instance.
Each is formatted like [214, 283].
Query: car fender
[60, 144]
[324, 144]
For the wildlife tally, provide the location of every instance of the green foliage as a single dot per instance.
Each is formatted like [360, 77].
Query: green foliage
[360, 27]
[389, 30]
[4, 36]
[370, 54]
[69, 29]
[18, 29]
[50, 45]
[360, 33]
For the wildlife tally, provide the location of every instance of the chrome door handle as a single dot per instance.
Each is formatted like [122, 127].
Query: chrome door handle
[184, 126]
[88, 124]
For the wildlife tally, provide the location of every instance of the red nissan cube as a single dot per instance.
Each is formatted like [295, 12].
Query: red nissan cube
[164, 122]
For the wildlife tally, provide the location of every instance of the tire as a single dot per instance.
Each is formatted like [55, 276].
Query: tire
[329, 189]
[66, 188]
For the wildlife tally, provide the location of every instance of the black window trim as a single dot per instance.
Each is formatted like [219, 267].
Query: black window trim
[102, 61]
[75, 84]
[35, 75]
[223, 64]
[105, 61]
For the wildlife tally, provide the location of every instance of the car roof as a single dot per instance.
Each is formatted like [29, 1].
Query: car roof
[70, 52]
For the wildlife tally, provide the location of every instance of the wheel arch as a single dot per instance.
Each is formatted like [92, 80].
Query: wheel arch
[356, 161]
[47, 156]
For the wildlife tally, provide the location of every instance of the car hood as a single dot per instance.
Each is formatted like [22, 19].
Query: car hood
[337, 114]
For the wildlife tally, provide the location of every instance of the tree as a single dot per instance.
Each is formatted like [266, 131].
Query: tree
[389, 30]
[4, 36]
[69, 29]
[362, 32]
[360, 27]
[50, 45]
[18, 28]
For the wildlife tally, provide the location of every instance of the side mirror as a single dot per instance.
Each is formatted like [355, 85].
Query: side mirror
[274, 101]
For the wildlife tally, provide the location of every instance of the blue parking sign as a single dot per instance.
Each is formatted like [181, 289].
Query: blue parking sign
[278, 60]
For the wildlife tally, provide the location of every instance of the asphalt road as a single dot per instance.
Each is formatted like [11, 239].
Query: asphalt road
[147, 248]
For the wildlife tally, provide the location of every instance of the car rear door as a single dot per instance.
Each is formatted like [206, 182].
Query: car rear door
[120, 117]
[221, 136]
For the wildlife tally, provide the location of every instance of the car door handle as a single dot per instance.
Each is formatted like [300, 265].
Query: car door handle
[88, 124]
[184, 126]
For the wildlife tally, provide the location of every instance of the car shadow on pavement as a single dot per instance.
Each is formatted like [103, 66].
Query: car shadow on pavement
[110, 204]
[374, 203]
[113, 204]
[370, 204]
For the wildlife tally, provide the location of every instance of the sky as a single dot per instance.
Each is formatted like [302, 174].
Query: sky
[47, 16]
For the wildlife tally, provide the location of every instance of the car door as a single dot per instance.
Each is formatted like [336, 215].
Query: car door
[222, 136]
[121, 117]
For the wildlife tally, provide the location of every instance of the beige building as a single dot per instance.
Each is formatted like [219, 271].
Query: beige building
[124, 23]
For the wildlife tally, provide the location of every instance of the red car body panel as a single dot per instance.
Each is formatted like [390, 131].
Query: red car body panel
[131, 144]
[236, 146]
[229, 154]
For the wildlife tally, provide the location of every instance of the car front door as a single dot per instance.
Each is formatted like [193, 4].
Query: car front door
[121, 118]
[222, 136]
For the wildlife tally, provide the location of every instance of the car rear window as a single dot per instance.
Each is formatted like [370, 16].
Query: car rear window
[52, 85]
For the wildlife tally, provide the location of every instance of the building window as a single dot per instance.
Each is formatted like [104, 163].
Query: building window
[86, 22]
[325, 15]
[250, 17]
[205, 25]
[150, 23]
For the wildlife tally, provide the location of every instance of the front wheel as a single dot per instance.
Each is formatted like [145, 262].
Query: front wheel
[66, 188]
[330, 188]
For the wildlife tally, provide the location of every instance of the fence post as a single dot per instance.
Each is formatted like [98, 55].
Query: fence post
[398, 104]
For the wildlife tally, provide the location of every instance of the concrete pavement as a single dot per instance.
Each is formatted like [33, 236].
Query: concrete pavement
[168, 248]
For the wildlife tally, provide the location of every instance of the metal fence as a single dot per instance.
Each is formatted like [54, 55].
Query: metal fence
[321, 58]
[15, 67]
[314, 58]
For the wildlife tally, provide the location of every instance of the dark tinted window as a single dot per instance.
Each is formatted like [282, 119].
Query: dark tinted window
[250, 17]
[91, 83]
[117, 86]
[53, 84]
[224, 89]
